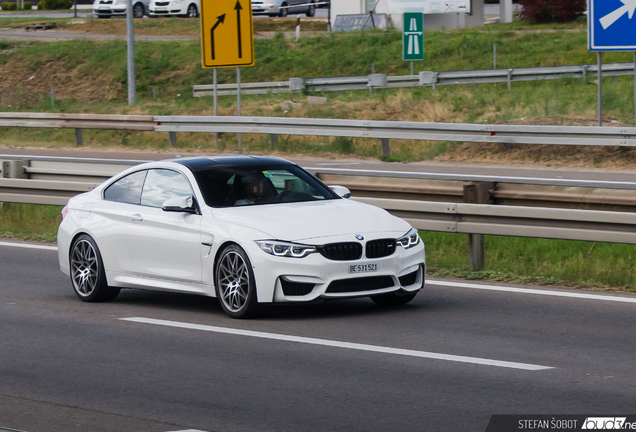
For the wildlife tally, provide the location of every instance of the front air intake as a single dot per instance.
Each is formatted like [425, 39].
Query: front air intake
[341, 251]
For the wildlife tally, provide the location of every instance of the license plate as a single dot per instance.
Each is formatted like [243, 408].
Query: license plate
[161, 8]
[363, 268]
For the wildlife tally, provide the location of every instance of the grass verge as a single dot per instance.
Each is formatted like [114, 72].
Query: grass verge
[29, 221]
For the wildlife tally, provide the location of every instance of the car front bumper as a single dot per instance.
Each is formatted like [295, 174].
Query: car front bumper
[170, 10]
[282, 279]
[110, 12]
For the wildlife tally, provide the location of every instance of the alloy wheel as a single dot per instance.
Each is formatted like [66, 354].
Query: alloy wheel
[234, 281]
[84, 268]
[138, 11]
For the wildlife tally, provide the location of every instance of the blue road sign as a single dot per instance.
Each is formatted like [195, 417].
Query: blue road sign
[611, 25]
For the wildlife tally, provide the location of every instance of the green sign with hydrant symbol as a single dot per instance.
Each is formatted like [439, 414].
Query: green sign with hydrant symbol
[413, 36]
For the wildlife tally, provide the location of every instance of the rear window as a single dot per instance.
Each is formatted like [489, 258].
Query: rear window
[126, 189]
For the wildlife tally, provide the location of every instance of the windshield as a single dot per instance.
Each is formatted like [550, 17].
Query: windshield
[259, 185]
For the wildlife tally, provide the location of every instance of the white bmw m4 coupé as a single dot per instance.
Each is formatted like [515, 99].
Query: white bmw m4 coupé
[250, 230]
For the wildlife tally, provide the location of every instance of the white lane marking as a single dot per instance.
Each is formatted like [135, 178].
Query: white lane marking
[338, 344]
[189, 430]
[28, 246]
[532, 291]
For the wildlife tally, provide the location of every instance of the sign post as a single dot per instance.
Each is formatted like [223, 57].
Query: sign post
[227, 40]
[611, 27]
[413, 37]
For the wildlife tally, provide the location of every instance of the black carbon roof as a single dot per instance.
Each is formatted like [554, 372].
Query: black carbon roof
[230, 160]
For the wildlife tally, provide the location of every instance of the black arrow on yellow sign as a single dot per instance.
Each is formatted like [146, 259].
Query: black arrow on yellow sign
[238, 10]
[219, 20]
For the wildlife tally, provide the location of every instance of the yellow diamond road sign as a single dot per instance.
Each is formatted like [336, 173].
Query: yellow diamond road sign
[227, 33]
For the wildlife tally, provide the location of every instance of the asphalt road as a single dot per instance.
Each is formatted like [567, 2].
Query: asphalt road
[72, 366]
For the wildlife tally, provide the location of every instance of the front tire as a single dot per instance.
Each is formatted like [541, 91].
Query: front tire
[138, 10]
[87, 271]
[235, 285]
[192, 11]
[393, 299]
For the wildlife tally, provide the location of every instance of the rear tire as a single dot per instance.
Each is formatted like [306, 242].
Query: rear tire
[392, 299]
[87, 271]
[311, 10]
[234, 283]
[283, 12]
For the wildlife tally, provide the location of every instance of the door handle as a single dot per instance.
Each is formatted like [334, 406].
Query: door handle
[137, 217]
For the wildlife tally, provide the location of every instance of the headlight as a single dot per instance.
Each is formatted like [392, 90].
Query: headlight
[286, 249]
[120, 2]
[412, 238]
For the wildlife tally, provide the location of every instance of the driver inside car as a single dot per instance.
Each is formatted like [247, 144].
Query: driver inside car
[253, 188]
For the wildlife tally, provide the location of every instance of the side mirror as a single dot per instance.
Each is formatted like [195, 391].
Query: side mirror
[341, 191]
[180, 205]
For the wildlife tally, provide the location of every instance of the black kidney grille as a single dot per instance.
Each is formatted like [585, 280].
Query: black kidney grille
[408, 279]
[342, 251]
[296, 288]
[368, 283]
[380, 248]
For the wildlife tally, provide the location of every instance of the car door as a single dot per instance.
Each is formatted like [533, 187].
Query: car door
[119, 199]
[165, 245]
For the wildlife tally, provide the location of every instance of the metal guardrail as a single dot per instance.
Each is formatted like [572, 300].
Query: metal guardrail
[77, 121]
[491, 133]
[383, 130]
[564, 224]
[424, 78]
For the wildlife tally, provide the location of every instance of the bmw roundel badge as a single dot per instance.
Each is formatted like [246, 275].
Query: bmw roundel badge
[359, 237]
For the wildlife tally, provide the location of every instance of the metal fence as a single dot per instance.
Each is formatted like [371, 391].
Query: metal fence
[382, 130]
[424, 78]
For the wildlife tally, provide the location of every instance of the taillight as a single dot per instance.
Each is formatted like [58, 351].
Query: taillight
[64, 212]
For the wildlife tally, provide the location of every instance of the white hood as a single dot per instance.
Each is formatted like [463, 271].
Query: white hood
[305, 221]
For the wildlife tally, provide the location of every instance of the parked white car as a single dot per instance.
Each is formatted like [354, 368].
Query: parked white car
[183, 8]
[250, 230]
[114, 8]
[283, 8]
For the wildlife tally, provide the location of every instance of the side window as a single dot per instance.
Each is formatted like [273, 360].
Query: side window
[127, 189]
[163, 184]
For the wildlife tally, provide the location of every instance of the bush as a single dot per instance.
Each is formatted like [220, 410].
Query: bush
[543, 11]
[28, 5]
[6, 6]
[55, 4]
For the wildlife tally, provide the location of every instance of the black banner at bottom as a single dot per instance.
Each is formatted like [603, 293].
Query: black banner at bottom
[562, 423]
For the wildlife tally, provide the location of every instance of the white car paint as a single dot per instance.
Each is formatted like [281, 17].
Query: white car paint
[183, 8]
[115, 8]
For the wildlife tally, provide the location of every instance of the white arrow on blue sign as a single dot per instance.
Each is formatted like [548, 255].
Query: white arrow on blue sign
[611, 25]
